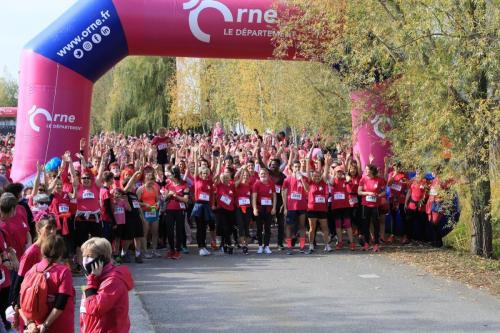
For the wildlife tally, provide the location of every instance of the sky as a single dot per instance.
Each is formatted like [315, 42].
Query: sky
[20, 21]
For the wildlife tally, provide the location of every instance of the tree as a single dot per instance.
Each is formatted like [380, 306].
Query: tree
[442, 58]
[8, 91]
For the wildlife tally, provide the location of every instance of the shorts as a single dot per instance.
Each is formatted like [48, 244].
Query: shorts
[317, 215]
[203, 211]
[87, 229]
[152, 219]
[292, 216]
[132, 228]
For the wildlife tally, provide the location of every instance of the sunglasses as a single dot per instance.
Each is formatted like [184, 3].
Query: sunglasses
[85, 178]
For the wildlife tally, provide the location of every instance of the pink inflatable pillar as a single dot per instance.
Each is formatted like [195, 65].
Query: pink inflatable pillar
[370, 123]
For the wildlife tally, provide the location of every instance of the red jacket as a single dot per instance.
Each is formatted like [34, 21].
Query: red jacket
[107, 311]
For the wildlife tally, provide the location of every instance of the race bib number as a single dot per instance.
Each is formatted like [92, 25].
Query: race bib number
[433, 191]
[319, 199]
[278, 189]
[396, 187]
[244, 201]
[182, 205]
[226, 200]
[353, 201]
[266, 202]
[339, 196]
[296, 196]
[162, 146]
[136, 204]
[63, 208]
[371, 198]
[204, 196]
[150, 215]
[88, 195]
[119, 210]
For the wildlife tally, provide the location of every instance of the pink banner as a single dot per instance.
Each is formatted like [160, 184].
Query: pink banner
[370, 123]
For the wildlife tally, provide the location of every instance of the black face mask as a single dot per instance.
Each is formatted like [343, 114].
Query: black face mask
[88, 266]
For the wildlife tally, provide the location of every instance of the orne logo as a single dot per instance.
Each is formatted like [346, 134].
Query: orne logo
[249, 15]
[381, 124]
[59, 119]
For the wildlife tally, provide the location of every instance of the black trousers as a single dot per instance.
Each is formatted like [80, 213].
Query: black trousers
[264, 224]
[416, 223]
[225, 223]
[174, 223]
[370, 215]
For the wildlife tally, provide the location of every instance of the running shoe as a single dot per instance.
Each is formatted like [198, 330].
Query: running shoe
[260, 250]
[339, 246]
[405, 240]
[267, 250]
[366, 247]
[206, 251]
[203, 252]
[170, 254]
[375, 248]
[156, 254]
[391, 239]
[245, 250]
[185, 250]
[177, 255]
[352, 246]
[138, 260]
[213, 245]
[289, 252]
[148, 255]
[328, 248]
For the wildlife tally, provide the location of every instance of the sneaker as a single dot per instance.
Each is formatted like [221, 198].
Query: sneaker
[267, 250]
[260, 250]
[138, 260]
[170, 254]
[391, 239]
[405, 240]
[206, 251]
[177, 255]
[185, 250]
[375, 248]
[126, 258]
[245, 250]
[148, 255]
[289, 252]
[156, 254]
[339, 246]
[203, 252]
[328, 248]
[352, 246]
[281, 248]
[366, 247]
[213, 245]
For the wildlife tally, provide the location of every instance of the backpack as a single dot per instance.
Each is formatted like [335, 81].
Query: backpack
[34, 294]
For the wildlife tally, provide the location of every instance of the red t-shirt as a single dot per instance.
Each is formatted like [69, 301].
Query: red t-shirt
[296, 194]
[60, 203]
[105, 194]
[418, 191]
[264, 193]
[4, 244]
[243, 195]
[87, 198]
[161, 143]
[398, 184]
[181, 190]
[352, 188]
[17, 228]
[225, 196]
[339, 194]
[60, 281]
[203, 189]
[317, 199]
[254, 176]
[31, 257]
[376, 185]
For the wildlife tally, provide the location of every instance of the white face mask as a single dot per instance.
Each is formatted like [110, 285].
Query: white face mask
[43, 207]
[87, 260]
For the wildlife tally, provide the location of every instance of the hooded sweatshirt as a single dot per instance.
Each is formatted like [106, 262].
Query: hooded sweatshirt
[105, 307]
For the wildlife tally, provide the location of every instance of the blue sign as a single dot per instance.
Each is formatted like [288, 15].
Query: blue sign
[88, 39]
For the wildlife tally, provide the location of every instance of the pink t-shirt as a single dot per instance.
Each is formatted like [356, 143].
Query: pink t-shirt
[317, 199]
[119, 207]
[203, 189]
[59, 281]
[88, 198]
[225, 196]
[30, 258]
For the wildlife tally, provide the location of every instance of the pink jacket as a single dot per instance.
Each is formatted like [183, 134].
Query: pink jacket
[107, 311]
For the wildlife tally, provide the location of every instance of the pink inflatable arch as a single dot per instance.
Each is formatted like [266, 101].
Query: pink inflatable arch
[60, 65]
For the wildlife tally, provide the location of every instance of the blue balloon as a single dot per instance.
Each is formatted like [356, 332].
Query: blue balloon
[53, 164]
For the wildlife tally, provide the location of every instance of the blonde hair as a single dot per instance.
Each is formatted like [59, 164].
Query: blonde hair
[98, 247]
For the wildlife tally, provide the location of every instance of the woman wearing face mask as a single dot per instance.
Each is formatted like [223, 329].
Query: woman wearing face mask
[371, 189]
[44, 228]
[264, 208]
[61, 294]
[105, 304]
[149, 197]
[177, 196]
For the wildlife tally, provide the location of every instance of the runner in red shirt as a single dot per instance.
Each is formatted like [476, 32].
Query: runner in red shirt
[415, 201]
[264, 208]
[224, 207]
[398, 183]
[295, 206]
[352, 182]
[243, 194]
[317, 208]
[341, 207]
[371, 189]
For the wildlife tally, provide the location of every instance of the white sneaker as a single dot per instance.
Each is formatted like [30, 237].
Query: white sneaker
[204, 252]
[157, 254]
[260, 250]
[328, 248]
[267, 250]
[148, 255]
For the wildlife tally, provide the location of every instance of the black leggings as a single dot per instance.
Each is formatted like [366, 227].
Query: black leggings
[264, 222]
[174, 224]
[370, 215]
[4, 304]
[416, 223]
[225, 222]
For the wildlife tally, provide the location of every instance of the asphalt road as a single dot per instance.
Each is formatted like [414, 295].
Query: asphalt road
[340, 292]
